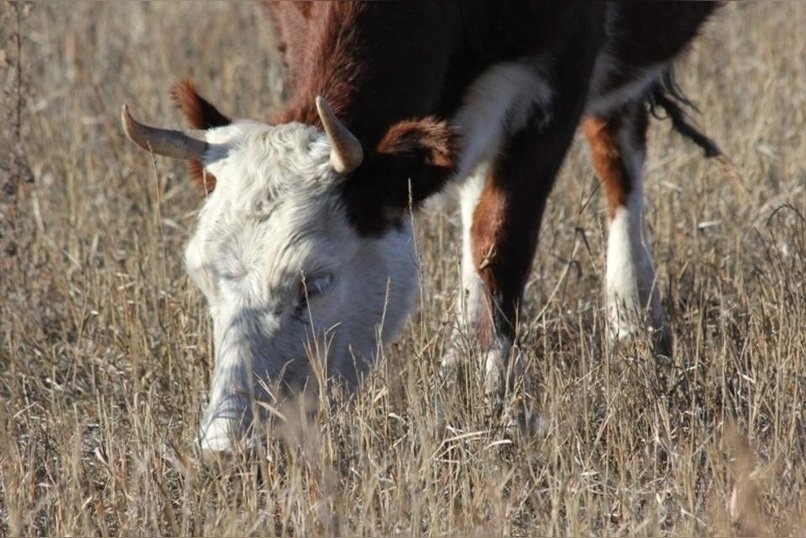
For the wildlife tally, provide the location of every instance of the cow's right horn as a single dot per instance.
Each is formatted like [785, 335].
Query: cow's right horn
[347, 153]
[177, 144]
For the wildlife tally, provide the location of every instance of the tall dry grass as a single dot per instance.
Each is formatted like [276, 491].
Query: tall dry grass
[105, 346]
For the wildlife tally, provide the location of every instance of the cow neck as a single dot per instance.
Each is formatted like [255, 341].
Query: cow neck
[371, 69]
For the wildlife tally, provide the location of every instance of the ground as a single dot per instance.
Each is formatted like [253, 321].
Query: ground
[105, 345]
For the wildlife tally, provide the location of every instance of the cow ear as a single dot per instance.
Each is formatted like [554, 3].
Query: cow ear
[421, 157]
[413, 161]
[201, 114]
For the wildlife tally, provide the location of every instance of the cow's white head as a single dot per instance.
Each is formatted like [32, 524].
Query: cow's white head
[302, 245]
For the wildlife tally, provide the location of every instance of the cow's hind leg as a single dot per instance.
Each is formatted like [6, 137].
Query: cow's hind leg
[618, 144]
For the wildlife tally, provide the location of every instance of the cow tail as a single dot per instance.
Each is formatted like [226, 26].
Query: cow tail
[668, 95]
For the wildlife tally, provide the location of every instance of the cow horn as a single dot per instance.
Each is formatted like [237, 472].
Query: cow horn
[177, 144]
[347, 154]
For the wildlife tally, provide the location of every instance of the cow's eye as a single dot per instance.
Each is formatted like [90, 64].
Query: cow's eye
[317, 285]
[310, 288]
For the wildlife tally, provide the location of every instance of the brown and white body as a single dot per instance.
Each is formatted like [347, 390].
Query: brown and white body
[306, 231]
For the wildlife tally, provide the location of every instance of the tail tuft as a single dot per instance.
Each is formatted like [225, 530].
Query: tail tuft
[668, 95]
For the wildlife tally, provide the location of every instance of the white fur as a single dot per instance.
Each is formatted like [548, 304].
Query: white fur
[470, 300]
[630, 288]
[274, 219]
[498, 102]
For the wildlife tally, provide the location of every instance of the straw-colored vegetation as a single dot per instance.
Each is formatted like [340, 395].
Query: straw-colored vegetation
[105, 345]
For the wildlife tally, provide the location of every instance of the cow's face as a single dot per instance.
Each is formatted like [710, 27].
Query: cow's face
[292, 281]
[286, 275]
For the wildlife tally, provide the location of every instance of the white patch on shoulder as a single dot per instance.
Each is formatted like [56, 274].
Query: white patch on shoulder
[499, 101]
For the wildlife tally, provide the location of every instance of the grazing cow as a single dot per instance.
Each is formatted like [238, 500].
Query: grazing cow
[305, 233]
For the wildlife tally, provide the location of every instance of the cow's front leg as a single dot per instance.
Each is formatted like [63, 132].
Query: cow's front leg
[473, 333]
[480, 332]
[502, 207]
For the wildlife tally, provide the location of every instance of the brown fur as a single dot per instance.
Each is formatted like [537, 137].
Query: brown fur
[199, 112]
[412, 162]
[608, 159]
[364, 56]
[292, 20]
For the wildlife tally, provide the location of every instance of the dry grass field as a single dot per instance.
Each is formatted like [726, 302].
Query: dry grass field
[105, 345]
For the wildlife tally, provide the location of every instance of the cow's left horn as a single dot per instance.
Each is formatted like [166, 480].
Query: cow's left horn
[176, 144]
[347, 153]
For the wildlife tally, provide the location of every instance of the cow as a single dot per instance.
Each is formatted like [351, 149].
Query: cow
[305, 231]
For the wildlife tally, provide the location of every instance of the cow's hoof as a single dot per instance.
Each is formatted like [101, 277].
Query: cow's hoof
[622, 331]
[220, 436]
[527, 420]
